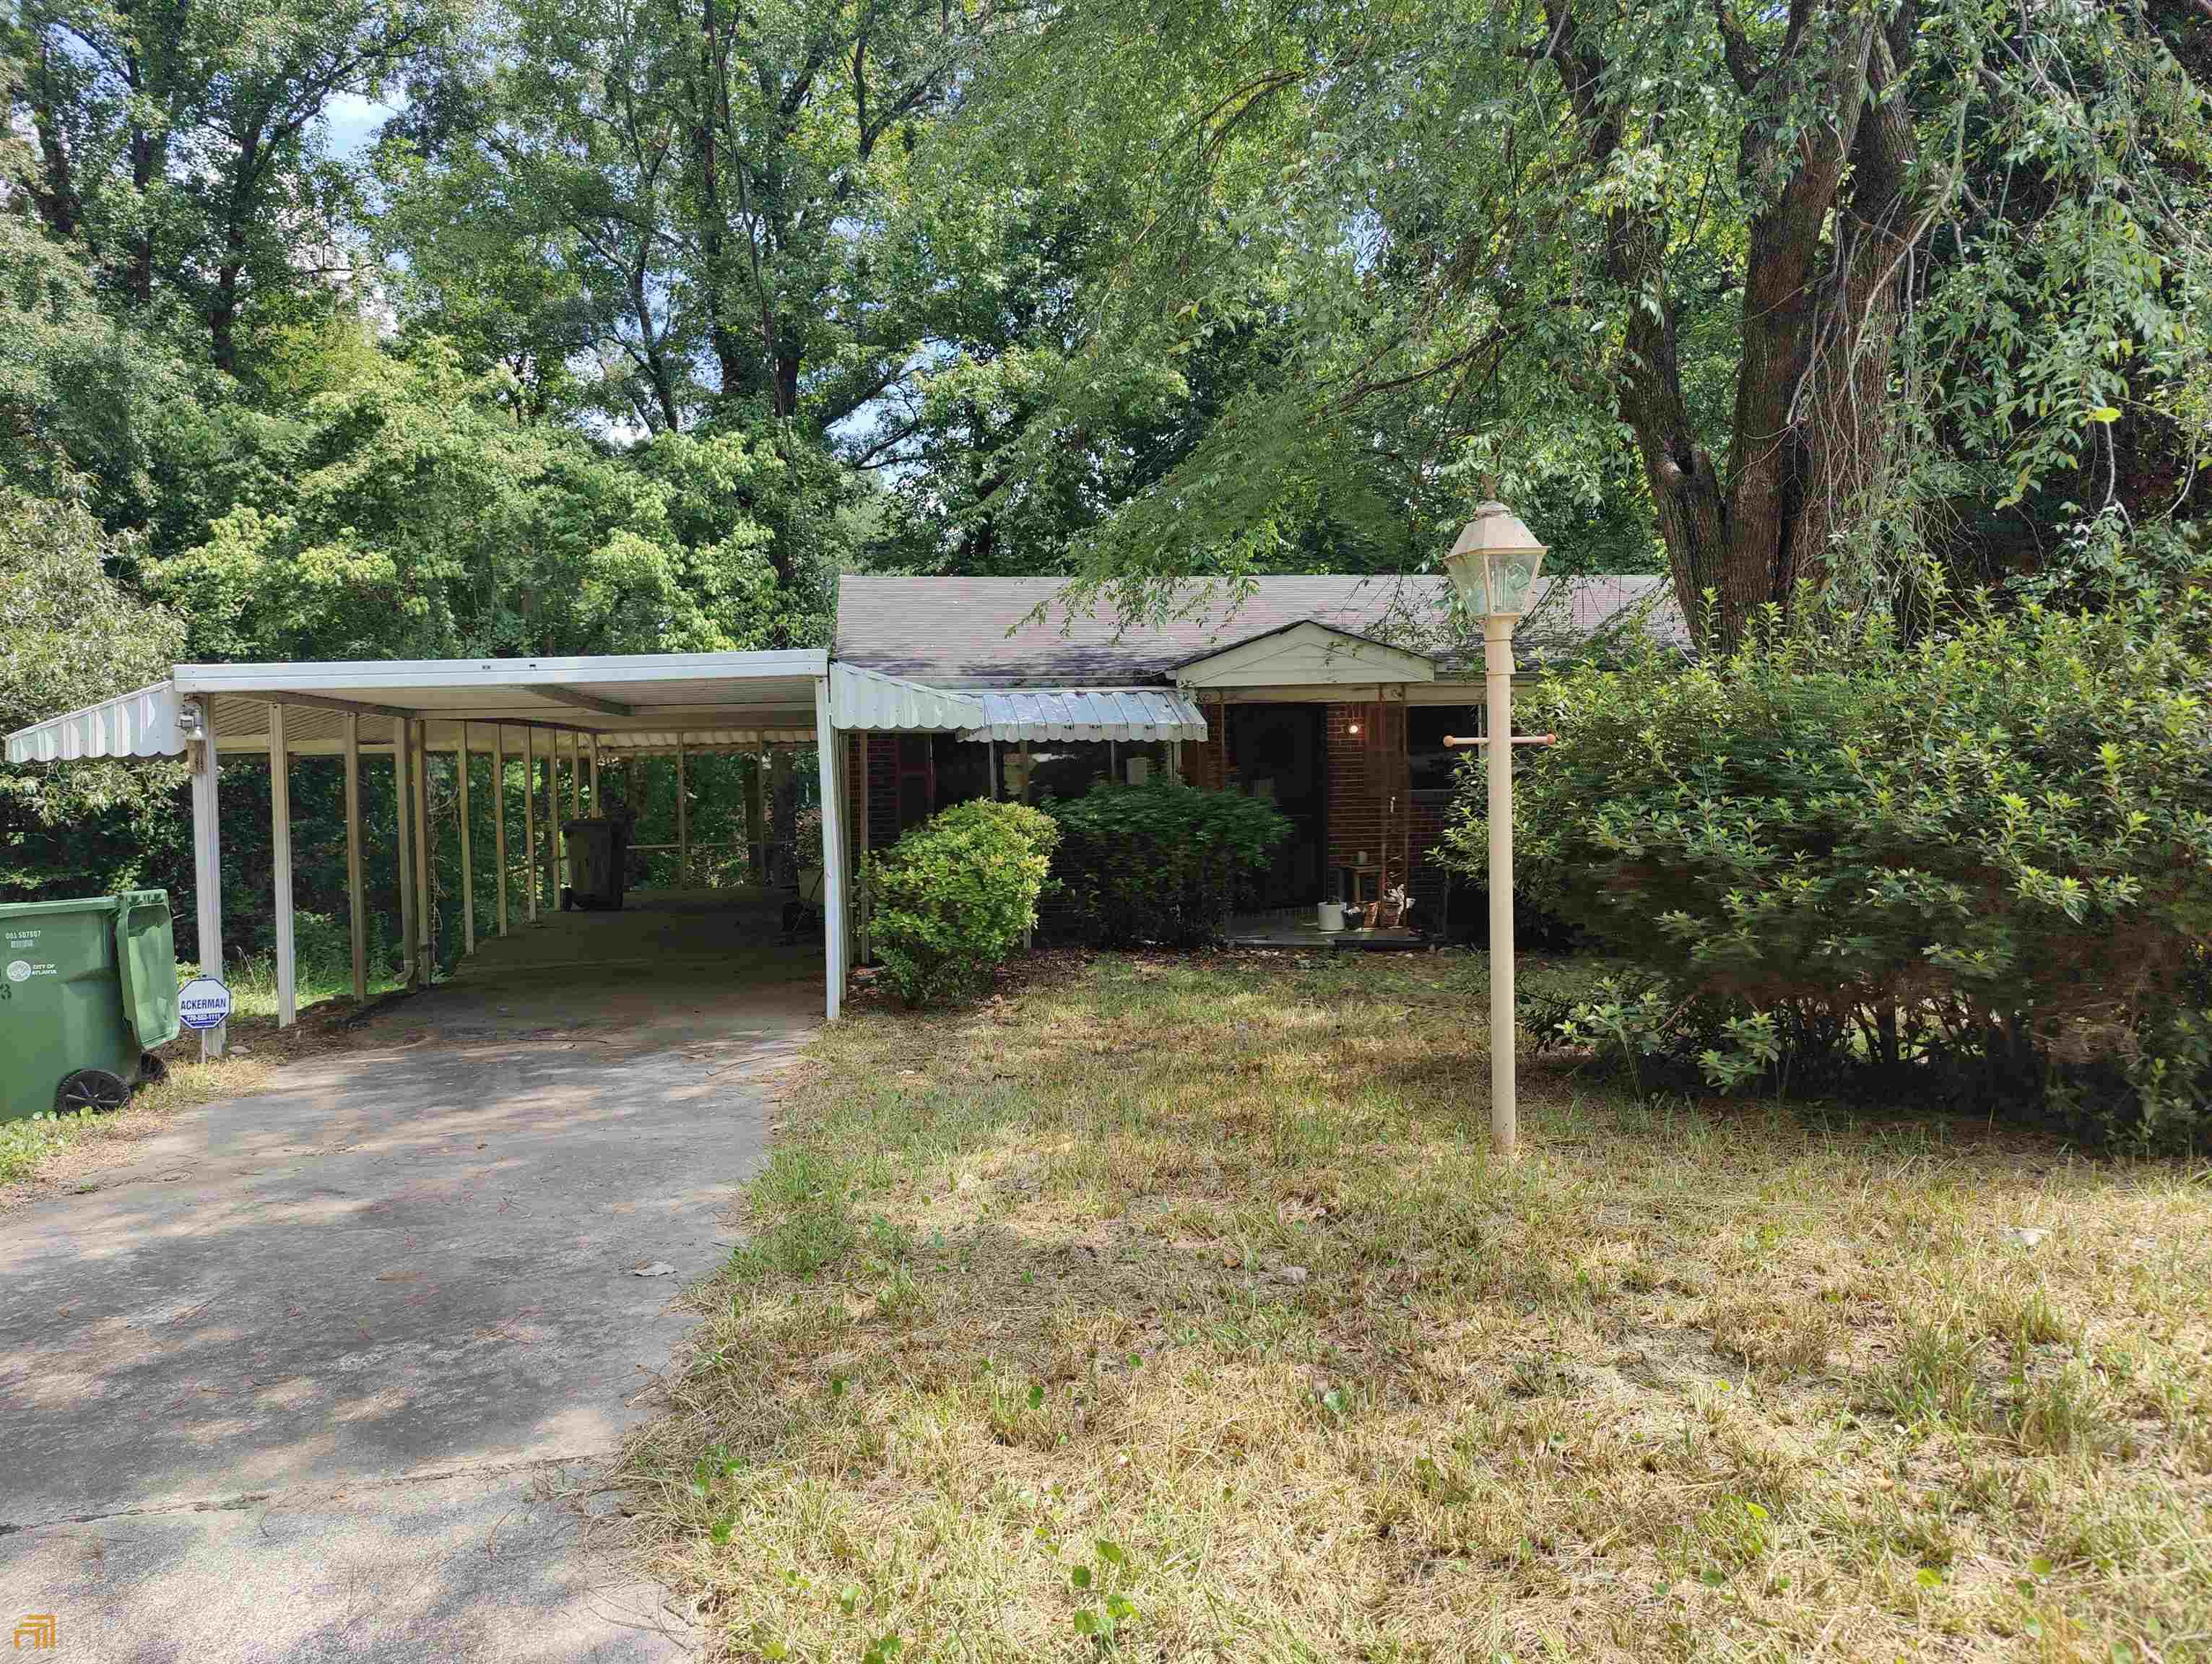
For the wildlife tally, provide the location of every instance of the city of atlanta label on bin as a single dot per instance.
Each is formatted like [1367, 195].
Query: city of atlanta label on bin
[202, 1003]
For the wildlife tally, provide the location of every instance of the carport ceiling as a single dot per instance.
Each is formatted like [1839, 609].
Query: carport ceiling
[632, 702]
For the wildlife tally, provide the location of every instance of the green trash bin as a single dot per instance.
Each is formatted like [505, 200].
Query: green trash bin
[87, 990]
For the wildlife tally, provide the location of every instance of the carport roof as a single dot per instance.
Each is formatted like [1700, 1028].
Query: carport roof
[630, 701]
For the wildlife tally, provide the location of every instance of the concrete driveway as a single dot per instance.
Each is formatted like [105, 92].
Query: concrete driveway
[325, 1371]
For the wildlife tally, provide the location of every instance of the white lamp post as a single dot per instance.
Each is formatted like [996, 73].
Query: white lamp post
[1493, 565]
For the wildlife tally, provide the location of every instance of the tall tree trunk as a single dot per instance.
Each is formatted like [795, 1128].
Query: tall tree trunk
[1845, 405]
[1818, 338]
[53, 188]
[222, 312]
[708, 105]
[148, 155]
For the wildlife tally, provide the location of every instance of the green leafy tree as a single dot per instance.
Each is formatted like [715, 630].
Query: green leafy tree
[405, 512]
[1513, 233]
[183, 144]
[69, 636]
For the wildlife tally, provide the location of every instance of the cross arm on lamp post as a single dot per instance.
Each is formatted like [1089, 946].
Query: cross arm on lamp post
[1493, 565]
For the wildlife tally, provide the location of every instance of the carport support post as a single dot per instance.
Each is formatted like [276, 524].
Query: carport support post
[756, 821]
[207, 862]
[576, 777]
[683, 822]
[280, 844]
[426, 956]
[402, 798]
[595, 776]
[833, 851]
[357, 922]
[468, 867]
[529, 824]
[553, 820]
[499, 813]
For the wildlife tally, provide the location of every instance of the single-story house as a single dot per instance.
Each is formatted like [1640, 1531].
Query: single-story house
[1331, 696]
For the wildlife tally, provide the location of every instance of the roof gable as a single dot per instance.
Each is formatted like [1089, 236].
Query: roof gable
[1305, 654]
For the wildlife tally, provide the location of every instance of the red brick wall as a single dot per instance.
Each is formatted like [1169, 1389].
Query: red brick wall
[1206, 762]
[1366, 771]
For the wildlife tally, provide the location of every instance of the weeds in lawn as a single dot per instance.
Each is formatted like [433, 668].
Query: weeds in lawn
[1208, 1263]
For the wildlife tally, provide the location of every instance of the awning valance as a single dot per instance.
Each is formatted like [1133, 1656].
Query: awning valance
[871, 700]
[1117, 714]
[133, 724]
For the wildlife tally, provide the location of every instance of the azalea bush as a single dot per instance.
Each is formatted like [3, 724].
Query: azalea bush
[1162, 862]
[952, 898]
[1983, 860]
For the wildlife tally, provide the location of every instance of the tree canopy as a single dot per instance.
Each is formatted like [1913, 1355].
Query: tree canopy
[632, 322]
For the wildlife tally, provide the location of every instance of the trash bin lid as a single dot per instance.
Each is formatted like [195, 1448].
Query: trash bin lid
[146, 956]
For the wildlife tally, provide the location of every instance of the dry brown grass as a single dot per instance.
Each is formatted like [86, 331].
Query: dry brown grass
[43, 1157]
[1207, 1262]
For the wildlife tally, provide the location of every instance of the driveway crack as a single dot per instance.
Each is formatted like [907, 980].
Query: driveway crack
[254, 1498]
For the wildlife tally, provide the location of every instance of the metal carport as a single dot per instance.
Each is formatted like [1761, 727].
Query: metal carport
[540, 709]
[576, 709]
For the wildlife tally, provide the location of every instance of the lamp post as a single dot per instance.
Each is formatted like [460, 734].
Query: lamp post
[1493, 566]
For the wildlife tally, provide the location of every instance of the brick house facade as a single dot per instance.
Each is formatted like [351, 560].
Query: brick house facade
[1330, 695]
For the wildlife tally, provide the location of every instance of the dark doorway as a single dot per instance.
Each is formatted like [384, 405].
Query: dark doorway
[1278, 752]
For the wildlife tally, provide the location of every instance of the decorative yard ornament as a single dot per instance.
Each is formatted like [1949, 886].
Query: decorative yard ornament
[1493, 565]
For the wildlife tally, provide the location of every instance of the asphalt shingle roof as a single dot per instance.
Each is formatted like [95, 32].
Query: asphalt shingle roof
[955, 632]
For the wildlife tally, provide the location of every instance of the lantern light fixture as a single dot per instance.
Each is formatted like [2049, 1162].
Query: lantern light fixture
[1494, 564]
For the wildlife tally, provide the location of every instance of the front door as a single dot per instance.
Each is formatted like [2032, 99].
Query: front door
[1278, 752]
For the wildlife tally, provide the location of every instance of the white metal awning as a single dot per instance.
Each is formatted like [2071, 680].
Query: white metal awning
[871, 700]
[1118, 714]
[634, 703]
[630, 702]
[135, 724]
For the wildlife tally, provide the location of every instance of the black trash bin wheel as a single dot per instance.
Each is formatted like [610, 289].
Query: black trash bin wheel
[94, 1089]
[152, 1069]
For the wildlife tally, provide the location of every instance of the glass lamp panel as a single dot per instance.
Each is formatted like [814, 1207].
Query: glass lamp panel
[1512, 577]
[1466, 569]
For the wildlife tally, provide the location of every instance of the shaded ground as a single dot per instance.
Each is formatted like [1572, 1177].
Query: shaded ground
[1183, 1297]
[308, 1377]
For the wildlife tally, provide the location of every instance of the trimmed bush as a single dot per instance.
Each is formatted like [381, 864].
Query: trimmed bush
[953, 896]
[1982, 863]
[1162, 862]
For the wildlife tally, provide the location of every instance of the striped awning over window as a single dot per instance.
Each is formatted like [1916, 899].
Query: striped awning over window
[1118, 714]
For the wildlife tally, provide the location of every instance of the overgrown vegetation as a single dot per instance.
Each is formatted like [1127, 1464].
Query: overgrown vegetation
[1184, 1295]
[1161, 863]
[1979, 866]
[952, 899]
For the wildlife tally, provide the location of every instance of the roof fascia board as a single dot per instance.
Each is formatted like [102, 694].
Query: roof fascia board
[340, 678]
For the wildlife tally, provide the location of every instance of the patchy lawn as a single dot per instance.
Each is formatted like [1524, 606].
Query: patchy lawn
[62, 1153]
[1183, 1301]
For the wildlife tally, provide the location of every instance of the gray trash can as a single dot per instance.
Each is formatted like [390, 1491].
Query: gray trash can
[596, 852]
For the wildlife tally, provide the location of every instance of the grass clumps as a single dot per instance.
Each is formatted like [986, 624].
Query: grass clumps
[1209, 1261]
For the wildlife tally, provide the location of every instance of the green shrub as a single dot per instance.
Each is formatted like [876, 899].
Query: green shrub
[1162, 862]
[1983, 861]
[952, 897]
